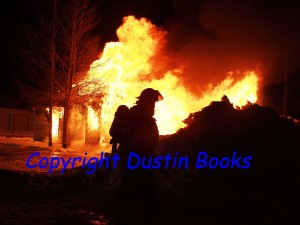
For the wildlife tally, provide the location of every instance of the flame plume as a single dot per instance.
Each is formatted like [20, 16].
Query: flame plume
[125, 69]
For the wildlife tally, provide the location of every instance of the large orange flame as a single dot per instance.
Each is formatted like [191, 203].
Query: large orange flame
[125, 69]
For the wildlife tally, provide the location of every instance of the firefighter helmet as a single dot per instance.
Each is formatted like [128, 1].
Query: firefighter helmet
[151, 95]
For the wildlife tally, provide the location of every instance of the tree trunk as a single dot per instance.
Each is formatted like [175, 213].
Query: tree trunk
[50, 125]
[52, 71]
[65, 133]
[65, 136]
[81, 20]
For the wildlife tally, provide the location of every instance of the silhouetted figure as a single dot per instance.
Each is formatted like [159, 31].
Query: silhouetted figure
[118, 126]
[137, 192]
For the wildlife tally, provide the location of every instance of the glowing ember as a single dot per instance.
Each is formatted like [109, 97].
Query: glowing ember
[125, 68]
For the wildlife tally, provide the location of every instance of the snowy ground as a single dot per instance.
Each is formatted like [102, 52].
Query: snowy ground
[41, 203]
[15, 151]
[37, 198]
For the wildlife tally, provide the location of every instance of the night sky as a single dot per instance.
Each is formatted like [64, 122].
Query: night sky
[209, 37]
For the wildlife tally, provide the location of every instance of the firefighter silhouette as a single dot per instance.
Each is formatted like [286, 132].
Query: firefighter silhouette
[141, 136]
[118, 126]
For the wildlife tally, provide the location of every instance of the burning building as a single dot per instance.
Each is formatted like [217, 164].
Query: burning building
[126, 67]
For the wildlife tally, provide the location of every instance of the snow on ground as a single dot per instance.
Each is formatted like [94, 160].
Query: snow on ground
[33, 198]
[14, 152]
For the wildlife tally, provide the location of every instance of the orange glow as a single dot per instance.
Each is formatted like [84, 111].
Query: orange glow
[125, 68]
[92, 119]
[57, 113]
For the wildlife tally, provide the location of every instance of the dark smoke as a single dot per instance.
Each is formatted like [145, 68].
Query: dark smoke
[214, 37]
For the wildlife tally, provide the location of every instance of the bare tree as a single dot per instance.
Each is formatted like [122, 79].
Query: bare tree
[38, 57]
[81, 18]
[53, 63]
[56, 57]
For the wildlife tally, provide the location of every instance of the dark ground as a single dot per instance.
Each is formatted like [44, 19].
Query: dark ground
[267, 193]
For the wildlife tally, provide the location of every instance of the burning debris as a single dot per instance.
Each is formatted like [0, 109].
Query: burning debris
[128, 66]
[218, 121]
[219, 129]
[235, 124]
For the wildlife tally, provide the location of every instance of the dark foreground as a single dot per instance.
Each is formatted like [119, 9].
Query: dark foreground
[267, 193]
[36, 199]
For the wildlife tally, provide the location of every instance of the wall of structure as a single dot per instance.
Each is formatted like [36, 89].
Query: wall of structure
[16, 122]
